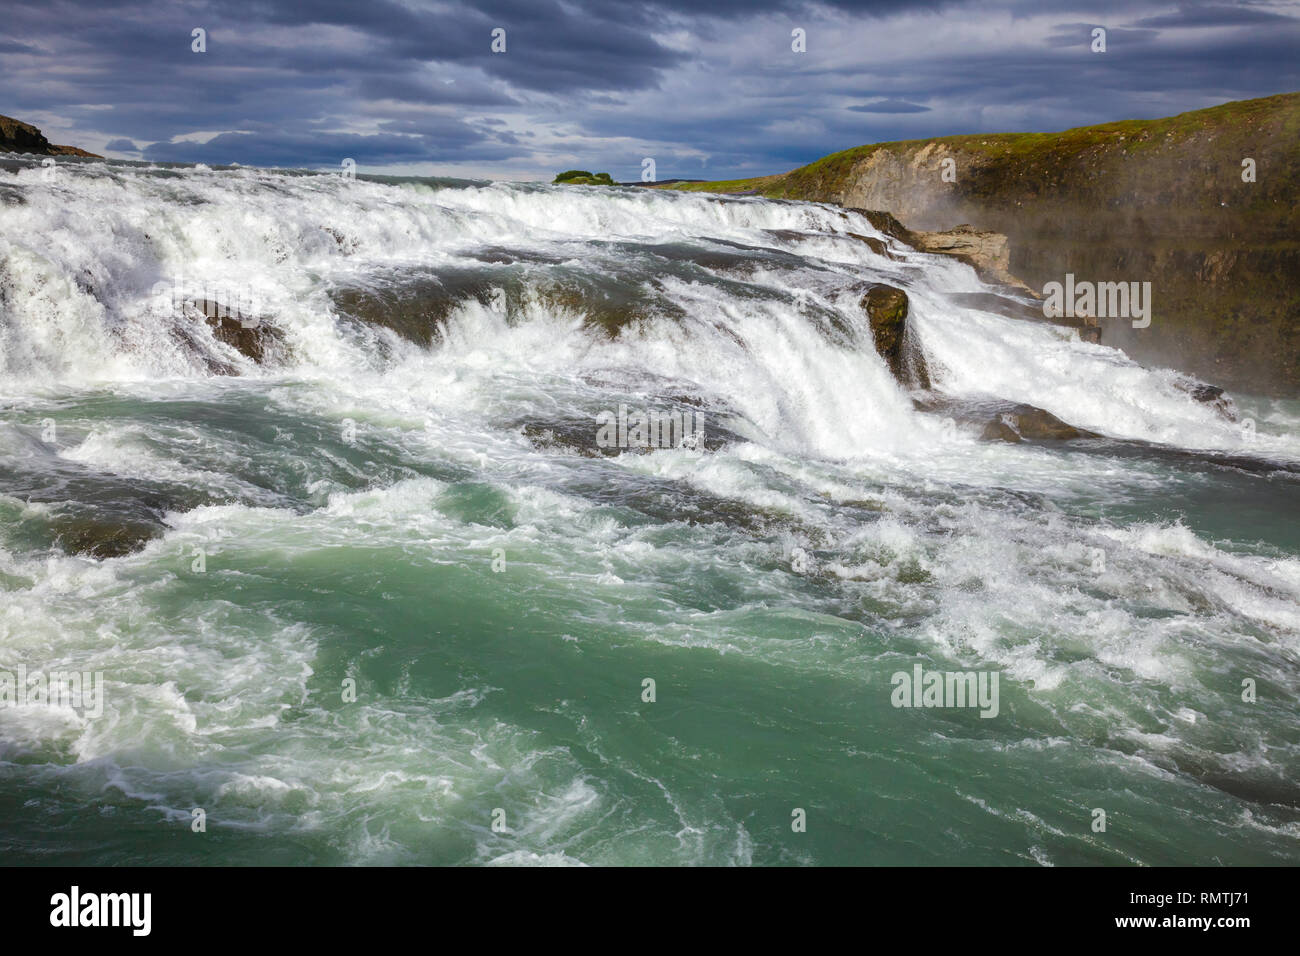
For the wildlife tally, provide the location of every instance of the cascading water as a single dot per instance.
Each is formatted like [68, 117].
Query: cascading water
[354, 591]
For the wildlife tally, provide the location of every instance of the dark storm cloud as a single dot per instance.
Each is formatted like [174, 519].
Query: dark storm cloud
[889, 106]
[707, 90]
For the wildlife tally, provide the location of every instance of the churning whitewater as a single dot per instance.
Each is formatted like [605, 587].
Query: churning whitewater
[301, 473]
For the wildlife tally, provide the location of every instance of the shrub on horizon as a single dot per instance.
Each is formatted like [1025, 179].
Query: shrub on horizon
[581, 177]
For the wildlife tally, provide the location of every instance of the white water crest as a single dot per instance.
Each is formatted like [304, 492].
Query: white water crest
[80, 259]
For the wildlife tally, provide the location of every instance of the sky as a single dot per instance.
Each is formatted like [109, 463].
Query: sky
[707, 89]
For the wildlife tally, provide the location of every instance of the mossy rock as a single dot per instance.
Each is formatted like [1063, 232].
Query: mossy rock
[886, 310]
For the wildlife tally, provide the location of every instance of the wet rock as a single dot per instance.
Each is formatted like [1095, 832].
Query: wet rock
[607, 306]
[346, 244]
[576, 437]
[999, 431]
[501, 255]
[103, 536]
[1027, 421]
[88, 512]
[876, 245]
[987, 252]
[200, 351]
[886, 310]
[1002, 420]
[414, 307]
[1211, 395]
[1002, 305]
[250, 335]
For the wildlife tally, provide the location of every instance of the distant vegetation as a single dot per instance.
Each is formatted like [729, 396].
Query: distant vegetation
[580, 177]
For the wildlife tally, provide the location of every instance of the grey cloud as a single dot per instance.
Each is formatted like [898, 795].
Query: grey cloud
[889, 106]
[290, 83]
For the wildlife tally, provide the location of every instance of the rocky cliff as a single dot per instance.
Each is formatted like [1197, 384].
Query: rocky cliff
[1202, 205]
[19, 137]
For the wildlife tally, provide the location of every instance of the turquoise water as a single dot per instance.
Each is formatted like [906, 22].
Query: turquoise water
[414, 618]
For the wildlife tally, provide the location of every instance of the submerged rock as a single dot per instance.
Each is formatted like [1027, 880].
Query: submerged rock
[1005, 421]
[876, 245]
[254, 337]
[249, 335]
[1028, 421]
[999, 430]
[103, 537]
[417, 306]
[690, 428]
[1211, 395]
[886, 309]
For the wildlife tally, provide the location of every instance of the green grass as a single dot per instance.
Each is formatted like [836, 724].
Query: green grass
[722, 186]
[822, 179]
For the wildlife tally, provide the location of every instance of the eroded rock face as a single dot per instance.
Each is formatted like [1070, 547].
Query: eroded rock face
[988, 252]
[886, 309]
